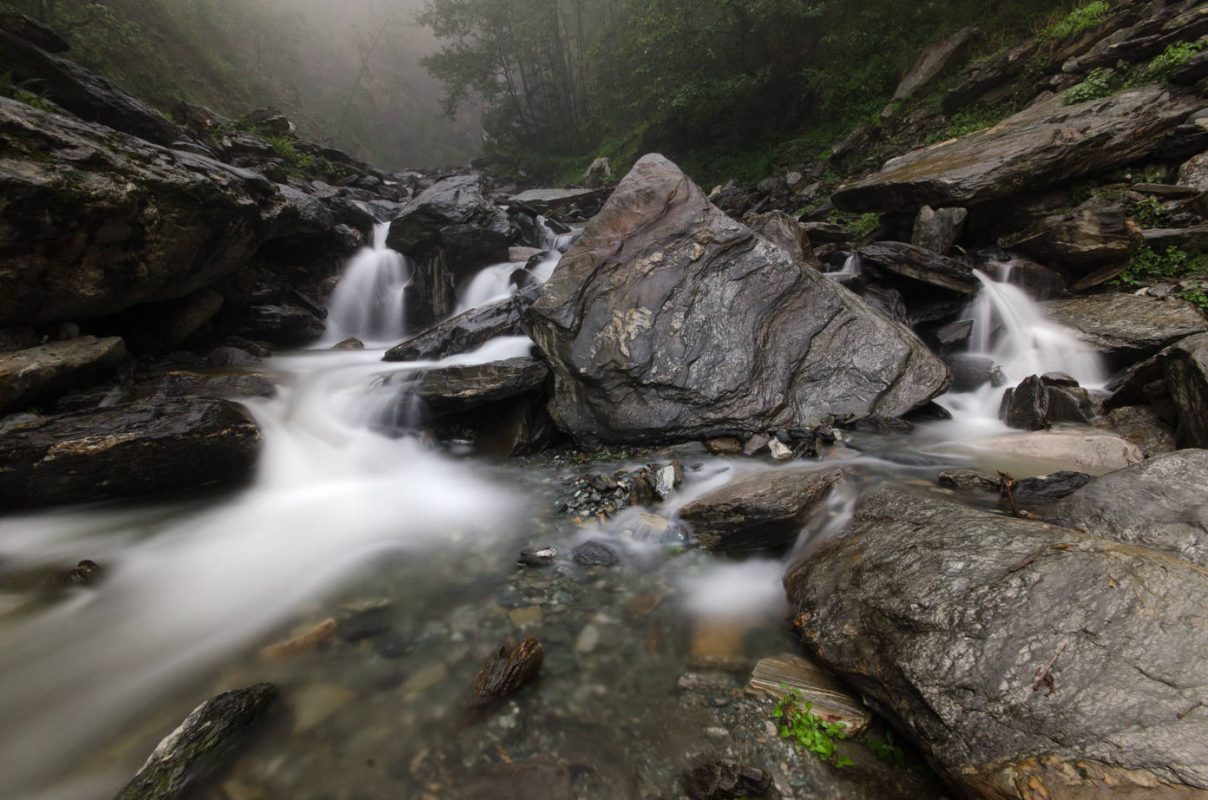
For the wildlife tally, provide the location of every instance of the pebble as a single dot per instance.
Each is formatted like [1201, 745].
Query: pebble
[588, 639]
[541, 557]
[595, 554]
[424, 679]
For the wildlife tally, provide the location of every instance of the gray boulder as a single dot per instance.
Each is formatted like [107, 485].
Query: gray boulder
[1186, 368]
[99, 221]
[451, 390]
[1025, 660]
[1044, 144]
[1144, 427]
[139, 448]
[1039, 401]
[938, 59]
[764, 511]
[1129, 326]
[463, 333]
[1095, 239]
[787, 233]
[41, 374]
[559, 202]
[1160, 503]
[1194, 173]
[667, 320]
[921, 264]
[938, 229]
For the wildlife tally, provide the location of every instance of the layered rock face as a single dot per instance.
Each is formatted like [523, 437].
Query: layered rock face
[668, 320]
[1026, 660]
[93, 221]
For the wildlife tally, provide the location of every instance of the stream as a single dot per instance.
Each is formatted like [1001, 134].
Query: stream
[340, 519]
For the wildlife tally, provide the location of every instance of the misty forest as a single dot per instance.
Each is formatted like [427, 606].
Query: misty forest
[603, 399]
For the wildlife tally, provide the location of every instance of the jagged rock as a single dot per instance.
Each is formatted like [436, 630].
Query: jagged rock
[938, 229]
[1142, 426]
[198, 748]
[966, 480]
[41, 374]
[450, 390]
[1024, 659]
[463, 333]
[1040, 401]
[1194, 173]
[1039, 281]
[936, 60]
[764, 511]
[786, 233]
[723, 779]
[918, 264]
[559, 202]
[132, 222]
[599, 173]
[1129, 326]
[669, 321]
[1088, 450]
[451, 230]
[137, 448]
[1161, 503]
[827, 232]
[285, 324]
[1096, 237]
[507, 670]
[84, 93]
[1186, 368]
[1044, 144]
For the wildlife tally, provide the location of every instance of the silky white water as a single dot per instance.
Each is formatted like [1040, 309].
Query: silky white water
[368, 303]
[495, 282]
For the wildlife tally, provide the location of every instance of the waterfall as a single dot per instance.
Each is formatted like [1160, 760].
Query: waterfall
[494, 283]
[368, 302]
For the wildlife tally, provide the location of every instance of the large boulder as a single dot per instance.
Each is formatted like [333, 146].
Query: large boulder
[667, 320]
[920, 264]
[1185, 365]
[764, 511]
[451, 230]
[81, 91]
[41, 374]
[1160, 503]
[938, 230]
[1129, 326]
[119, 451]
[1044, 144]
[450, 390]
[1025, 660]
[1039, 401]
[93, 221]
[1095, 238]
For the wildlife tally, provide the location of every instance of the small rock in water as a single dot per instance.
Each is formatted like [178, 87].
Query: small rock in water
[723, 779]
[780, 452]
[86, 573]
[351, 343]
[507, 670]
[724, 446]
[540, 557]
[588, 639]
[755, 445]
[366, 620]
[198, 747]
[595, 554]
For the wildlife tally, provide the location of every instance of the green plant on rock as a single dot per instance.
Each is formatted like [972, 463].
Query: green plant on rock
[1098, 83]
[1172, 58]
[295, 160]
[1148, 267]
[1080, 20]
[796, 721]
[885, 749]
[865, 225]
[1148, 212]
[24, 91]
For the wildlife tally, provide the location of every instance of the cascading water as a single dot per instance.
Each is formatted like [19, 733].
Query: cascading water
[495, 282]
[369, 302]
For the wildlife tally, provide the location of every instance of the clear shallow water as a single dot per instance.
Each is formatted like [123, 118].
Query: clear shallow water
[91, 679]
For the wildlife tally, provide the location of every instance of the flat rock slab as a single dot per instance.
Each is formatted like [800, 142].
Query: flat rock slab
[1095, 452]
[763, 511]
[1024, 659]
[775, 677]
[1127, 325]
[197, 749]
[920, 264]
[40, 374]
[450, 390]
[1160, 503]
[133, 449]
[668, 321]
[1044, 144]
[558, 200]
[462, 333]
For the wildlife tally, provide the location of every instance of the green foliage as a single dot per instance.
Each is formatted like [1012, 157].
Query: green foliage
[1148, 267]
[865, 225]
[885, 750]
[969, 120]
[1172, 58]
[24, 91]
[1103, 82]
[1148, 212]
[1099, 83]
[796, 721]
[1080, 20]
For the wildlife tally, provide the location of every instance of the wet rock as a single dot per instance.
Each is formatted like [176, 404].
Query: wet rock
[1080, 449]
[539, 777]
[922, 265]
[134, 223]
[41, 374]
[450, 390]
[312, 638]
[1095, 238]
[777, 676]
[1142, 426]
[723, 779]
[463, 333]
[284, 324]
[643, 322]
[724, 446]
[351, 343]
[786, 233]
[138, 448]
[969, 480]
[760, 512]
[598, 495]
[595, 554]
[562, 202]
[201, 745]
[989, 641]
[1128, 326]
[1194, 173]
[1044, 144]
[938, 229]
[1161, 503]
[970, 370]
[508, 670]
[1038, 402]
[366, 620]
[539, 557]
[1186, 368]
[86, 573]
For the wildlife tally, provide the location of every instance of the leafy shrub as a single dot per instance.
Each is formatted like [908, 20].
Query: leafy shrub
[1099, 83]
[1172, 58]
[1078, 21]
[24, 92]
[1148, 266]
[797, 721]
[1148, 212]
